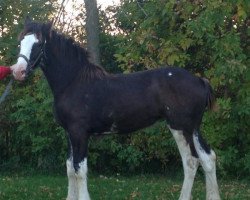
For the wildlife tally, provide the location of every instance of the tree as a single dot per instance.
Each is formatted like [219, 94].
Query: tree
[92, 30]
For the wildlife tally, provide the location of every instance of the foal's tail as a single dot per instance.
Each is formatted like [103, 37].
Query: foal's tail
[210, 99]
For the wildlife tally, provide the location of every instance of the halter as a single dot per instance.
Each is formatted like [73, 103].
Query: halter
[30, 66]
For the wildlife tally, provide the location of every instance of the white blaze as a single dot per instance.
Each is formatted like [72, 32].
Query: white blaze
[25, 49]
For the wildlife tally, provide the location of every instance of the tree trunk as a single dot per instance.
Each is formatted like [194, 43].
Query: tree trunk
[92, 30]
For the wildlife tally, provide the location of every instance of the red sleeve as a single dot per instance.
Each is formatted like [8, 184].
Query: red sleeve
[4, 71]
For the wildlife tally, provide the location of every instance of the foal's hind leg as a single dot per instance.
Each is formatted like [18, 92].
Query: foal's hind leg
[207, 159]
[190, 164]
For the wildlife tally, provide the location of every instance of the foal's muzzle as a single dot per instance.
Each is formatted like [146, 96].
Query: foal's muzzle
[28, 64]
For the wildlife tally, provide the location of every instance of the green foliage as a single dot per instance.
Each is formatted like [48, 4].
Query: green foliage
[27, 130]
[149, 149]
[33, 132]
[209, 38]
[12, 14]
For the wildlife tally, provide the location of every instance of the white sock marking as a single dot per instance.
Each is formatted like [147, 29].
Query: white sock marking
[81, 177]
[72, 183]
[190, 164]
[208, 163]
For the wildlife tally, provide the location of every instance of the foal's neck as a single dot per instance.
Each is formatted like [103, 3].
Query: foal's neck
[65, 60]
[57, 69]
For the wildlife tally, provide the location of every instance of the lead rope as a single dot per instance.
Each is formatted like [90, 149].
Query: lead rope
[6, 91]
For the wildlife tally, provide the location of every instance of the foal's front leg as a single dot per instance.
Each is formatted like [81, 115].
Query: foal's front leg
[77, 181]
[72, 183]
[78, 163]
[81, 177]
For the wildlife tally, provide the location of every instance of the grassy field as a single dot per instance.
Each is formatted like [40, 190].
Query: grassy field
[145, 187]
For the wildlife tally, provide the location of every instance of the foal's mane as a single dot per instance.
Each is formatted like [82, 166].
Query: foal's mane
[74, 55]
[71, 54]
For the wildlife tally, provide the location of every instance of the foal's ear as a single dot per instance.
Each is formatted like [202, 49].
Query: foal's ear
[27, 20]
[47, 29]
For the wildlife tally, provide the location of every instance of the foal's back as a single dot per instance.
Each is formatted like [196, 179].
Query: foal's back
[126, 102]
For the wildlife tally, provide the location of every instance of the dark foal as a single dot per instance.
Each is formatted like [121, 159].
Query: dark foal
[89, 101]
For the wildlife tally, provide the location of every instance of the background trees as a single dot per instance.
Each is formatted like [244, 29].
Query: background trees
[93, 30]
[209, 38]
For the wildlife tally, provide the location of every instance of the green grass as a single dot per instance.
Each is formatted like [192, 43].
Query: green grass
[145, 187]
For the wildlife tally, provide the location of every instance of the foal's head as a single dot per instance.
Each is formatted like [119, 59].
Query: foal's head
[32, 40]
